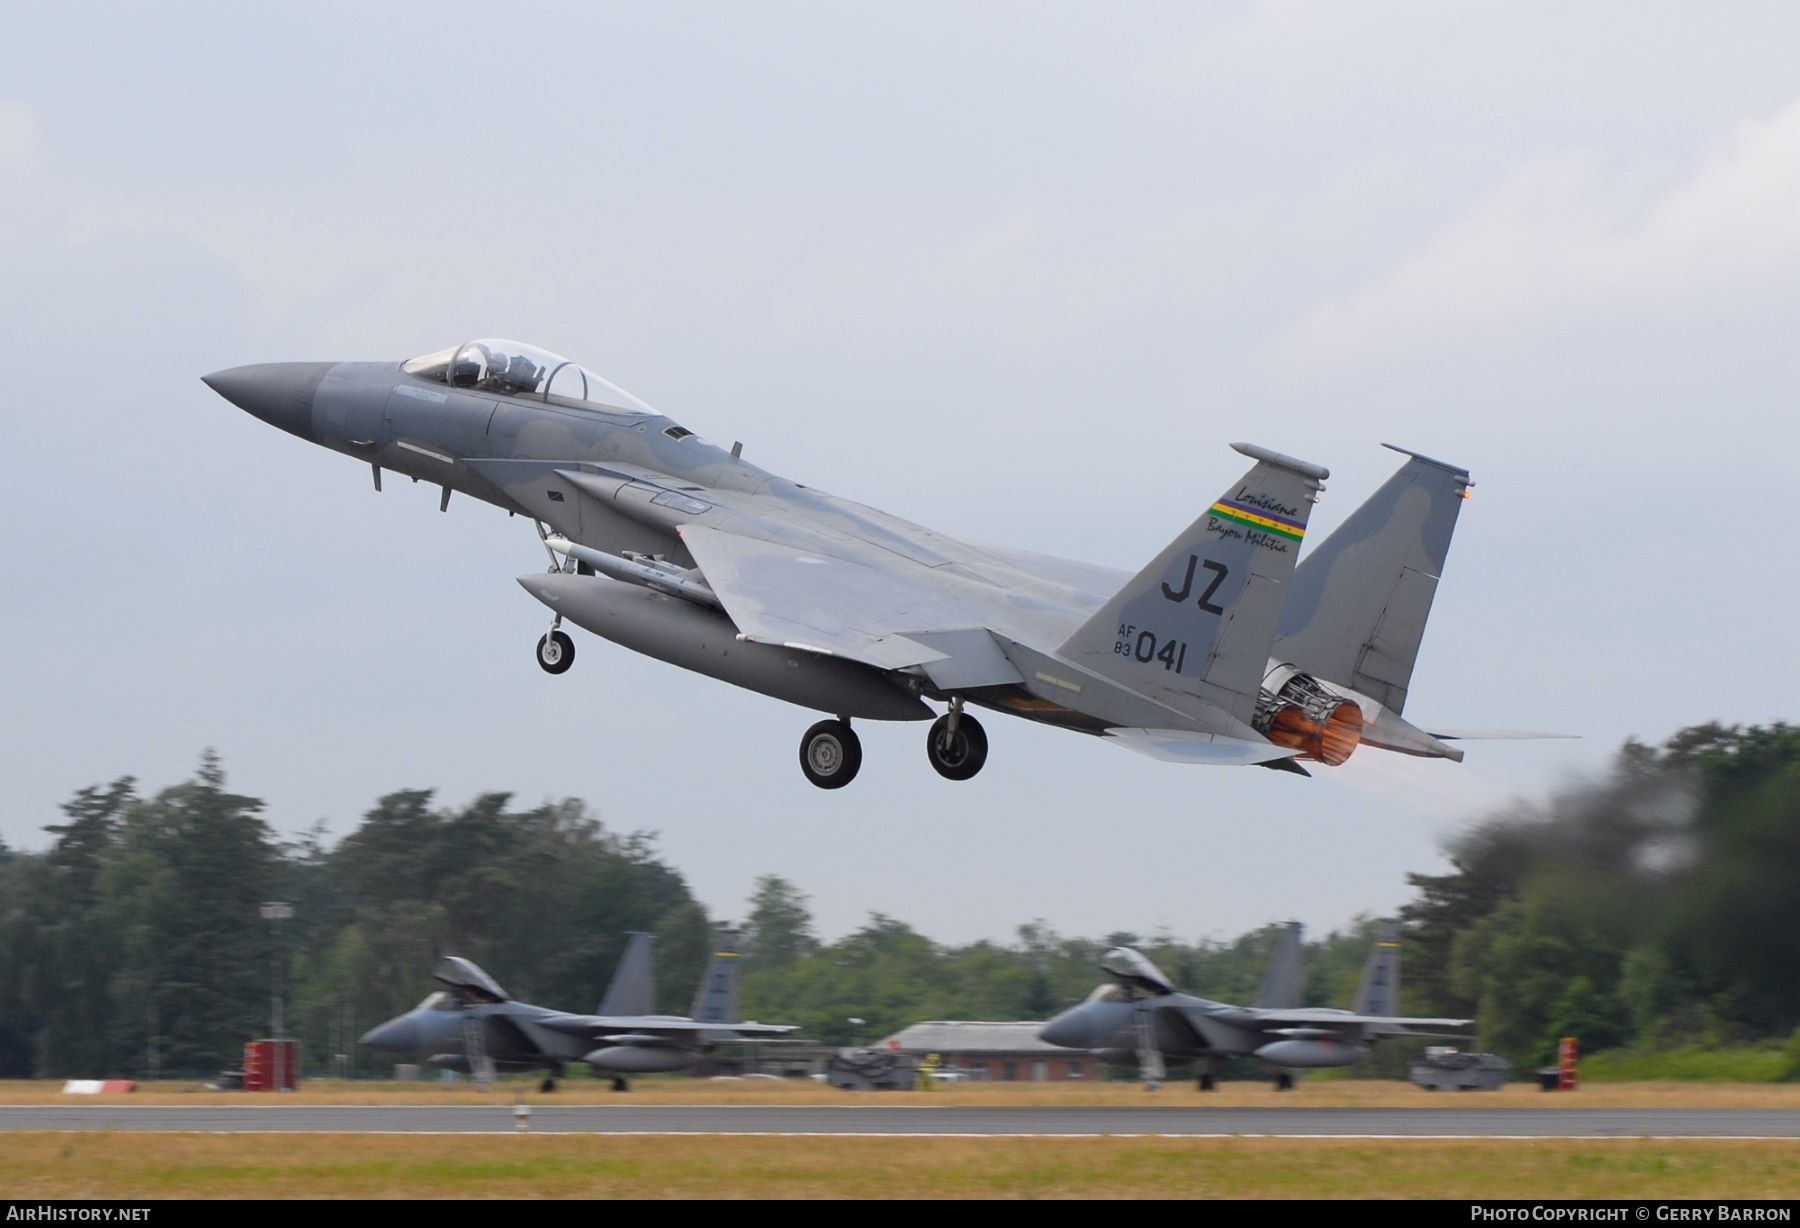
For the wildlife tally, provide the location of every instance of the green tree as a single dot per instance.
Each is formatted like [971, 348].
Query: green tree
[195, 866]
[780, 928]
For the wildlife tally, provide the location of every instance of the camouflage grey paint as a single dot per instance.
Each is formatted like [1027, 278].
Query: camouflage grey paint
[632, 990]
[1284, 983]
[1199, 621]
[716, 1001]
[849, 611]
[520, 1036]
[1281, 1036]
[1379, 993]
[1357, 608]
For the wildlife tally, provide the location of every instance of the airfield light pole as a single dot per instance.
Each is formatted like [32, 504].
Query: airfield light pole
[856, 1023]
[275, 912]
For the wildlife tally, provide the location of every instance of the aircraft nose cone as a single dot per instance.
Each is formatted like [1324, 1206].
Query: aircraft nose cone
[395, 1036]
[1068, 1029]
[280, 393]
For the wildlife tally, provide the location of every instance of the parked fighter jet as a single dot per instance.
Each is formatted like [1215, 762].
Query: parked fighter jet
[1140, 1019]
[1218, 651]
[474, 1026]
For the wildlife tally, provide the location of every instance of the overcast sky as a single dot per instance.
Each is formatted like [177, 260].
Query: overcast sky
[1017, 271]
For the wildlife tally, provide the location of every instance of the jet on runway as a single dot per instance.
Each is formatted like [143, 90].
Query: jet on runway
[1141, 1019]
[1218, 651]
[474, 1026]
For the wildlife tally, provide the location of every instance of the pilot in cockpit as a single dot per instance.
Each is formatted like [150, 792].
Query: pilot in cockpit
[476, 367]
[519, 375]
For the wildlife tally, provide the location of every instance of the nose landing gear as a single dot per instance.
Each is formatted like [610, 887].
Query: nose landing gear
[555, 651]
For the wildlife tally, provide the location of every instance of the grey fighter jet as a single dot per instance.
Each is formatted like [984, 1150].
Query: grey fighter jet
[1141, 1019]
[472, 1025]
[1218, 651]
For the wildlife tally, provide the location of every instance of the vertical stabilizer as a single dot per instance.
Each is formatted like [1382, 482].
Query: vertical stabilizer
[1379, 993]
[717, 999]
[1198, 622]
[1357, 606]
[633, 988]
[1284, 984]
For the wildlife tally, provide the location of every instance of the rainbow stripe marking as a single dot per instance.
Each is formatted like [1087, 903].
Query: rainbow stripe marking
[1257, 518]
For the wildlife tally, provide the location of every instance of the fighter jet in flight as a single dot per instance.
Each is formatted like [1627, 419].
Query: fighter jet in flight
[1218, 651]
[474, 1026]
[1140, 1019]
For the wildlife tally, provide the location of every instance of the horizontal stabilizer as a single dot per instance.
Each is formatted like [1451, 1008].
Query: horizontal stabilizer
[1395, 733]
[1181, 746]
[1494, 735]
[1390, 732]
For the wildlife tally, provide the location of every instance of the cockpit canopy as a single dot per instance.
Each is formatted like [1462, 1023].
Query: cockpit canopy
[516, 369]
[467, 980]
[1134, 970]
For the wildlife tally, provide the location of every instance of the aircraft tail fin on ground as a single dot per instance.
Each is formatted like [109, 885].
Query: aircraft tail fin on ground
[1284, 984]
[1358, 603]
[633, 988]
[717, 999]
[1379, 993]
[1200, 619]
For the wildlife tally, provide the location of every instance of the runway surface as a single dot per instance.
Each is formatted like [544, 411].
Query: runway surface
[850, 1120]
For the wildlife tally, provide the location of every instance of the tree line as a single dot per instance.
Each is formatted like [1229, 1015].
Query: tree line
[1651, 908]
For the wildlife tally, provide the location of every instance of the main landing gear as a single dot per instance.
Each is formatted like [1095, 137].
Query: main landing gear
[619, 1084]
[831, 754]
[957, 744]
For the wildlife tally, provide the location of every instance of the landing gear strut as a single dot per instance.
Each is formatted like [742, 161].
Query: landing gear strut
[619, 1084]
[1284, 1082]
[830, 754]
[957, 744]
[555, 651]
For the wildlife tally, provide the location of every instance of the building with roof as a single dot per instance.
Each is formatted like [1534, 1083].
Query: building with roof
[1004, 1052]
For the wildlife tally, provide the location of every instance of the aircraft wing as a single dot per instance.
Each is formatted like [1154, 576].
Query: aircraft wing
[649, 1029]
[1181, 746]
[1330, 1020]
[823, 602]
